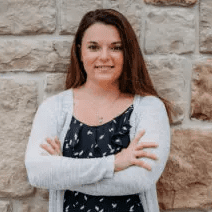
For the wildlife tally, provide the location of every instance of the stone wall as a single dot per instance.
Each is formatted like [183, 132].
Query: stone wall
[176, 40]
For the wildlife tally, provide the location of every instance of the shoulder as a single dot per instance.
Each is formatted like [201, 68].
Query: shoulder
[59, 100]
[152, 109]
[149, 101]
[149, 106]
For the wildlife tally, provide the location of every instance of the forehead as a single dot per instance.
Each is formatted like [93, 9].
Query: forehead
[101, 33]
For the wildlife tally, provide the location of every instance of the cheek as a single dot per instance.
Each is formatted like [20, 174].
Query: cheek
[119, 60]
[88, 58]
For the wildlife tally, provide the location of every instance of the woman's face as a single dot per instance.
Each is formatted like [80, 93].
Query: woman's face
[102, 54]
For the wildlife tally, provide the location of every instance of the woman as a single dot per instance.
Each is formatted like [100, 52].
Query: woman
[105, 119]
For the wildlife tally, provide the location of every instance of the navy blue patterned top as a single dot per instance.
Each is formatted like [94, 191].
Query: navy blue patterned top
[83, 141]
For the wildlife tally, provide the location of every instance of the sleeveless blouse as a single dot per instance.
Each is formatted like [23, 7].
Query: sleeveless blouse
[83, 141]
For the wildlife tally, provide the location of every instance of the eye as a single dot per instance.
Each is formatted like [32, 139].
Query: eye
[93, 47]
[117, 48]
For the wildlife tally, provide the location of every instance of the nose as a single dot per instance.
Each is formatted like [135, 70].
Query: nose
[104, 54]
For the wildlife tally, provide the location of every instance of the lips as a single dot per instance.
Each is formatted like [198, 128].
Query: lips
[104, 67]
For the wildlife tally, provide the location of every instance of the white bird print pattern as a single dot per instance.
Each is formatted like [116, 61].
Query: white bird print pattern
[114, 205]
[84, 141]
[131, 208]
[89, 132]
[101, 137]
[111, 129]
[70, 142]
[75, 136]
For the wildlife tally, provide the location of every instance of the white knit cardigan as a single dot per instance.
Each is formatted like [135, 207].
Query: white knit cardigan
[96, 176]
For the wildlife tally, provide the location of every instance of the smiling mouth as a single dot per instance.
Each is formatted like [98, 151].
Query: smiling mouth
[104, 67]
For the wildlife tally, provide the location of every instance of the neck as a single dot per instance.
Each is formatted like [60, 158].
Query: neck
[98, 90]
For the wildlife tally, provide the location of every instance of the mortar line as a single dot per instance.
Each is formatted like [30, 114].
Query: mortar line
[58, 16]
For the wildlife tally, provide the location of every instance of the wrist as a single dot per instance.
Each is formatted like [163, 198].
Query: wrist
[116, 164]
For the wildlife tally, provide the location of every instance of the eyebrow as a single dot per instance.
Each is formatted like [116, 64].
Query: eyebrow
[116, 42]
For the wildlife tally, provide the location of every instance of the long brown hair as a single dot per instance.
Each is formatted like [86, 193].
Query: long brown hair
[134, 78]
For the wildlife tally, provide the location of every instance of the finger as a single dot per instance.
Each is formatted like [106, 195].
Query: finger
[58, 142]
[58, 149]
[55, 146]
[146, 145]
[146, 155]
[52, 143]
[138, 136]
[49, 149]
[142, 164]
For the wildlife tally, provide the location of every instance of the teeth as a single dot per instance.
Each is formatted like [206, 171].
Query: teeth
[104, 66]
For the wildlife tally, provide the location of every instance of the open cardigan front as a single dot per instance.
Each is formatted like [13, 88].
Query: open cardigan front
[96, 176]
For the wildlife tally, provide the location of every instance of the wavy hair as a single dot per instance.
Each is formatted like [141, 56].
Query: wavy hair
[134, 78]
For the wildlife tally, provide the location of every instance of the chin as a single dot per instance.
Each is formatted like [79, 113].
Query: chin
[107, 81]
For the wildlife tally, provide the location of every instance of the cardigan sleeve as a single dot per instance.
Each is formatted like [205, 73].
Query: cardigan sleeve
[58, 172]
[154, 121]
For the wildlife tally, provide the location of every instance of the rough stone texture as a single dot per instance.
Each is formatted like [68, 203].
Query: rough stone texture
[63, 48]
[187, 179]
[168, 75]
[27, 17]
[171, 2]
[131, 9]
[205, 26]
[72, 12]
[201, 99]
[34, 55]
[186, 185]
[18, 103]
[31, 204]
[55, 82]
[5, 206]
[169, 30]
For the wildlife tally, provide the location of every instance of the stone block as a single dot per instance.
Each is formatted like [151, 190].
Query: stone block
[63, 48]
[201, 98]
[18, 17]
[131, 9]
[168, 75]
[205, 26]
[72, 12]
[171, 2]
[187, 179]
[169, 30]
[5, 206]
[34, 55]
[18, 104]
[55, 82]
[38, 203]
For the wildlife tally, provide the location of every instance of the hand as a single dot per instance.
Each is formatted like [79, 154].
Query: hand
[54, 148]
[130, 156]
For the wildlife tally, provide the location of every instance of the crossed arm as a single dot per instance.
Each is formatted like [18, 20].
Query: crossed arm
[97, 176]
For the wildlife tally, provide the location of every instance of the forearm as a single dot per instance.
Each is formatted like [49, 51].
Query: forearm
[132, 180]
[116, 186]
[136, 179]
[56, 172]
